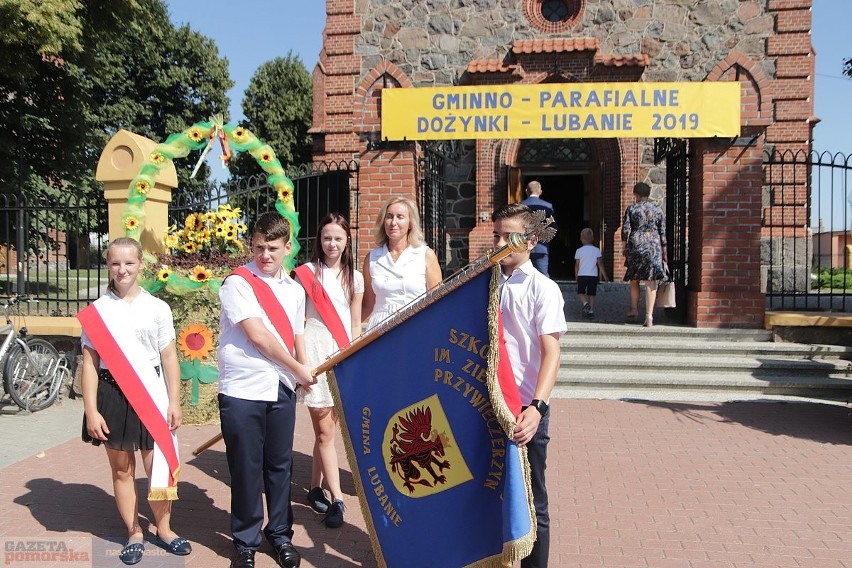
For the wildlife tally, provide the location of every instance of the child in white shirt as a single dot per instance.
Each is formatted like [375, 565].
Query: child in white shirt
[588, 268]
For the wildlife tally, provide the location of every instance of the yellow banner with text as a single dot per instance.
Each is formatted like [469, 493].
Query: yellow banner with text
[563, 110]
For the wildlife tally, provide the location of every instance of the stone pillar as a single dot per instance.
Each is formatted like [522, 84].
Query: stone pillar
[120, 162]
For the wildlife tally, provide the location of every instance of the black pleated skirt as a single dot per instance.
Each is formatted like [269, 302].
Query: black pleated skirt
[126, 431]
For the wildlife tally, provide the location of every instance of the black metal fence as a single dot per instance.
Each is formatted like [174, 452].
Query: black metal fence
[319, 189]
[806, 242]
[50, 250]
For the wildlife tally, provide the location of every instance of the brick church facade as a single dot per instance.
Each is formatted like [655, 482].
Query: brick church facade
[713, 190]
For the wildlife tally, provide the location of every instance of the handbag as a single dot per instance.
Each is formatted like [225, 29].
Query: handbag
[665, 294]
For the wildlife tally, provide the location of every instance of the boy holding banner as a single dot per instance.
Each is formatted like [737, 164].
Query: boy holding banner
[532, 311]
[261, 354]
[131, 401]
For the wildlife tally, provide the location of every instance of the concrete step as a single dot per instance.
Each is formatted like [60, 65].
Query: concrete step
[672, 363]
[703, 362]
[691, 347]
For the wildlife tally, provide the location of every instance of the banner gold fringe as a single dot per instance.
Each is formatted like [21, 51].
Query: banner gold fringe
[521, 548]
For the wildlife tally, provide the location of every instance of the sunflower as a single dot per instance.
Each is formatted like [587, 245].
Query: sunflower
[196, 341]
[190, 247]
[189, 223]
[171, 241]
[164, 274]
[143, 187]
[200, 274]
[157, 158]
[267, 156]
[241, 135]
[195, 134]
[131, 223]
[285, 194]
[220, 230]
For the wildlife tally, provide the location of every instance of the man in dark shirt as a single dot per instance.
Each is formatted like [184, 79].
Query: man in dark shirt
[540, 253]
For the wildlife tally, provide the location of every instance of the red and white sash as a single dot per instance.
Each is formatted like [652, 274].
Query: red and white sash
[270, 304]
[127, 360]
[324, 305]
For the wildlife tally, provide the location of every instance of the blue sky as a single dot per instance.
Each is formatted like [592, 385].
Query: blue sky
[252, 32]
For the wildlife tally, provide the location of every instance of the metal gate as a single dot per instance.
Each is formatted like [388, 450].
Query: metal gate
[807, 231]
[432, 198]
[676, 154]
[319, 189]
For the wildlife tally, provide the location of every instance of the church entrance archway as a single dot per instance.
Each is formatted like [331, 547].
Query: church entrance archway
[571, 178]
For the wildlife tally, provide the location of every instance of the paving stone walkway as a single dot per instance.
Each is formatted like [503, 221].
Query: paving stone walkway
[633, 484]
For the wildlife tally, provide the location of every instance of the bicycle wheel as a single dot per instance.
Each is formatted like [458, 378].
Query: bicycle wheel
[30, 379]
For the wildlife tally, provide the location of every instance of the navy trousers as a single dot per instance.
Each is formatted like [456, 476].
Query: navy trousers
[537, 454]
[259, 445]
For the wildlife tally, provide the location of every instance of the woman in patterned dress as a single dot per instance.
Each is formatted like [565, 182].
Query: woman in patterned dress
[644, 230]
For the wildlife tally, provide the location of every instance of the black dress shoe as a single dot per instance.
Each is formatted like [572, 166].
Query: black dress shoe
[243, 559]
[288, 556]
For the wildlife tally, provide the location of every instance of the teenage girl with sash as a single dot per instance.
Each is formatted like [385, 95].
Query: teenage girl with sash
[131, 400]
[333, 318]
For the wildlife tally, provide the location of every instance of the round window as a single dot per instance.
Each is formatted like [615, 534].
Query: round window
[552, 16]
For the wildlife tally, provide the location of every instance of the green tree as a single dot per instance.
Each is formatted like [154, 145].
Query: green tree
[278, 107]
[75, 72]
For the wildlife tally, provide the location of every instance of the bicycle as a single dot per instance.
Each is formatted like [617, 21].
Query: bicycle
[33, 370]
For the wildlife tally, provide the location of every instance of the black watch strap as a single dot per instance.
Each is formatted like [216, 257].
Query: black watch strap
[539, 405]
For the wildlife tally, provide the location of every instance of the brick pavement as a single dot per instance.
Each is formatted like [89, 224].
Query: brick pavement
[633, 484]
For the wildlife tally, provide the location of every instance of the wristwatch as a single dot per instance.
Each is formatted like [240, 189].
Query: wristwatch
[539, 405]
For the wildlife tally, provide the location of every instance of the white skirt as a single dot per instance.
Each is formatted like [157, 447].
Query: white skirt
[319, 346]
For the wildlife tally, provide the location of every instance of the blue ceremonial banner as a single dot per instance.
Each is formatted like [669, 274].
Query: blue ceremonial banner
[424, 422]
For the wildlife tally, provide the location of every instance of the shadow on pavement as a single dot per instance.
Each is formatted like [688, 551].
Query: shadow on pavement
[824, 423]
[74, 507]
[213, 463]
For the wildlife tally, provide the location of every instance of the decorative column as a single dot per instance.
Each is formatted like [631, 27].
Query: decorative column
[119, 163]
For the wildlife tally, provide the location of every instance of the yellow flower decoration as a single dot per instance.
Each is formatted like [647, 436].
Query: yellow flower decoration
[266, 157]
[200, 274]
[284, 194]
[241, 135]
[143, 187]
[164, 274]
[210, 216]
[157, 158]
[196, 341]
[220, 230]
[190, 247]
[171, 241]
[189, 223]
[195, 134]
[131, 223]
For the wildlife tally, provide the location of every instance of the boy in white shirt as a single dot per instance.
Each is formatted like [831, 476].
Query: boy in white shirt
[532, 308]
[261, 354]
[588, 267]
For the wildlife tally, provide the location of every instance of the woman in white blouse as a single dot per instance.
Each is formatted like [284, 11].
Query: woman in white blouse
[402, 267]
